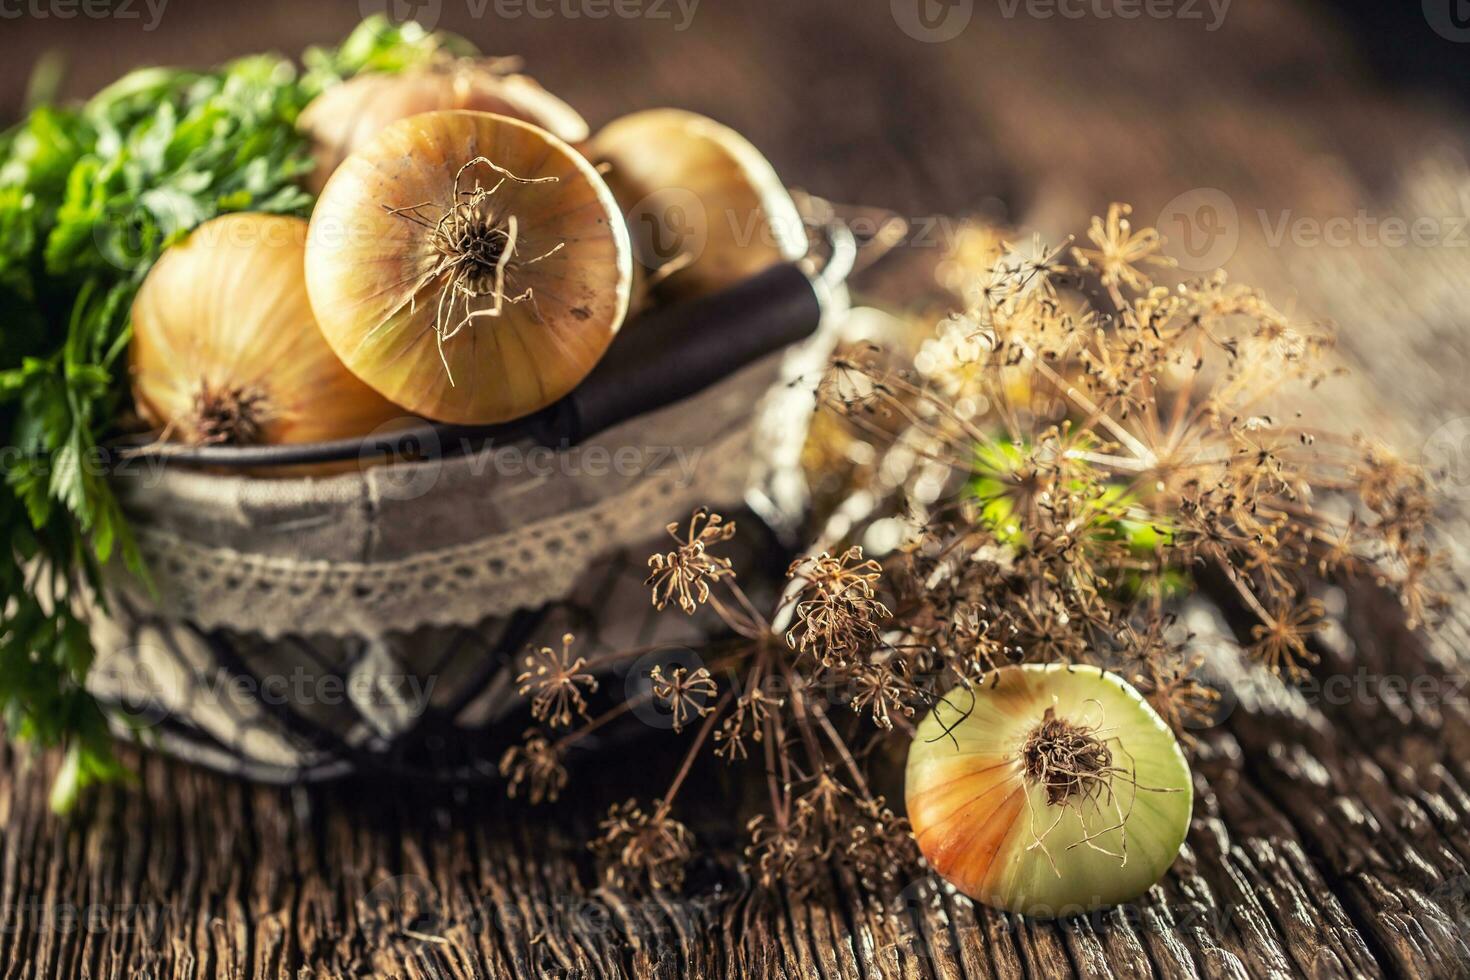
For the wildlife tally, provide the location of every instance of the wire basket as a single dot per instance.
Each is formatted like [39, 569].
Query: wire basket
[306, 627]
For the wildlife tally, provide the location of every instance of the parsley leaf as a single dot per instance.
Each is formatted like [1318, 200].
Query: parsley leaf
[90, 197]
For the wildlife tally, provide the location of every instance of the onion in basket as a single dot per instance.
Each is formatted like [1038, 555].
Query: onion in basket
[468, 266]
[1048, 790]
[344, 118]
[225, 349]
[704, 207]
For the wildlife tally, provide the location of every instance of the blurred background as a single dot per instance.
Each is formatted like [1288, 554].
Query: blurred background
[1316, 148]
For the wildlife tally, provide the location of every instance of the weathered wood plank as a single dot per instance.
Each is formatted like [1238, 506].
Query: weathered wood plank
[1330, 840]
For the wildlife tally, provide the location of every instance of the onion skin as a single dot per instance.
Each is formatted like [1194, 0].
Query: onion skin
[227, 310]
[685, 180]
[975, 812]
[371, 272]
[347, 116]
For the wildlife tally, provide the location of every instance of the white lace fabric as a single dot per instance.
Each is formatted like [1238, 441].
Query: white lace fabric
[444, 542]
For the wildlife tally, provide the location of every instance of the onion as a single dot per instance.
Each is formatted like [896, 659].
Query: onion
[705, 208]
[468, 266]
[1048, 790]
[225, 349]
[345, 117]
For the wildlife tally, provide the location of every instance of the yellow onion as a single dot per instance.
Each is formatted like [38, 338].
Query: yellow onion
[346, 116]
[468, 266]
[1048, 790]
[704, 207]
[225, 348]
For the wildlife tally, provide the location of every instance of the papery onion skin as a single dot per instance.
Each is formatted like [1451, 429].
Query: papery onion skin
[976, 815]
[347, 116]
[689, 184]
[370, 270]
[226, 310]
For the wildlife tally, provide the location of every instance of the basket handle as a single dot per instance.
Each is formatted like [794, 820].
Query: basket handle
[669, 354]
[657, 359]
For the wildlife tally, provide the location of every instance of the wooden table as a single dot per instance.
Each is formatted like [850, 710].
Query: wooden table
[1330, 839]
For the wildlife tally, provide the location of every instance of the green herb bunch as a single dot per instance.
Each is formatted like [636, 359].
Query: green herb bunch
[90, 197]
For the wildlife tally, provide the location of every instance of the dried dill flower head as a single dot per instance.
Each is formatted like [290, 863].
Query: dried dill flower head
[683, 576]
[556, 682]
[830, 823]
[534, 768]
[882, 691]
[1281, 641]
[1172, 687]
[747, 720]
[687, 694]
[837, 613]
[641, 847]
[1119, 250]
[1123, 444]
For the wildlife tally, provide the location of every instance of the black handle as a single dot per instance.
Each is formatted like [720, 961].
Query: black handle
[657, 359]
[669, 354]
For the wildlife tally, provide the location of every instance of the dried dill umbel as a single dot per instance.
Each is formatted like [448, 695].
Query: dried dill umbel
[1124, 446]
[1068, 457]
[683, 576]
[557, 684]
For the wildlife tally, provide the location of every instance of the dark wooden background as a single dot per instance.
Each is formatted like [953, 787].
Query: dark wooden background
[1329, 839]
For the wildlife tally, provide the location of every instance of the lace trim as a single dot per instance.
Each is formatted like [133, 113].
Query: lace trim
[525, 568]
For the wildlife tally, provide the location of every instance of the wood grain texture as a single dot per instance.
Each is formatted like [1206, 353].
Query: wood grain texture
[1331, 834]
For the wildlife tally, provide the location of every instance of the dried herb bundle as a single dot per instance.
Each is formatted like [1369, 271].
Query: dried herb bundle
[1049, 473]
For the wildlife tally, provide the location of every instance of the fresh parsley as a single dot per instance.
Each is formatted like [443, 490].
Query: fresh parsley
[90, 197]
